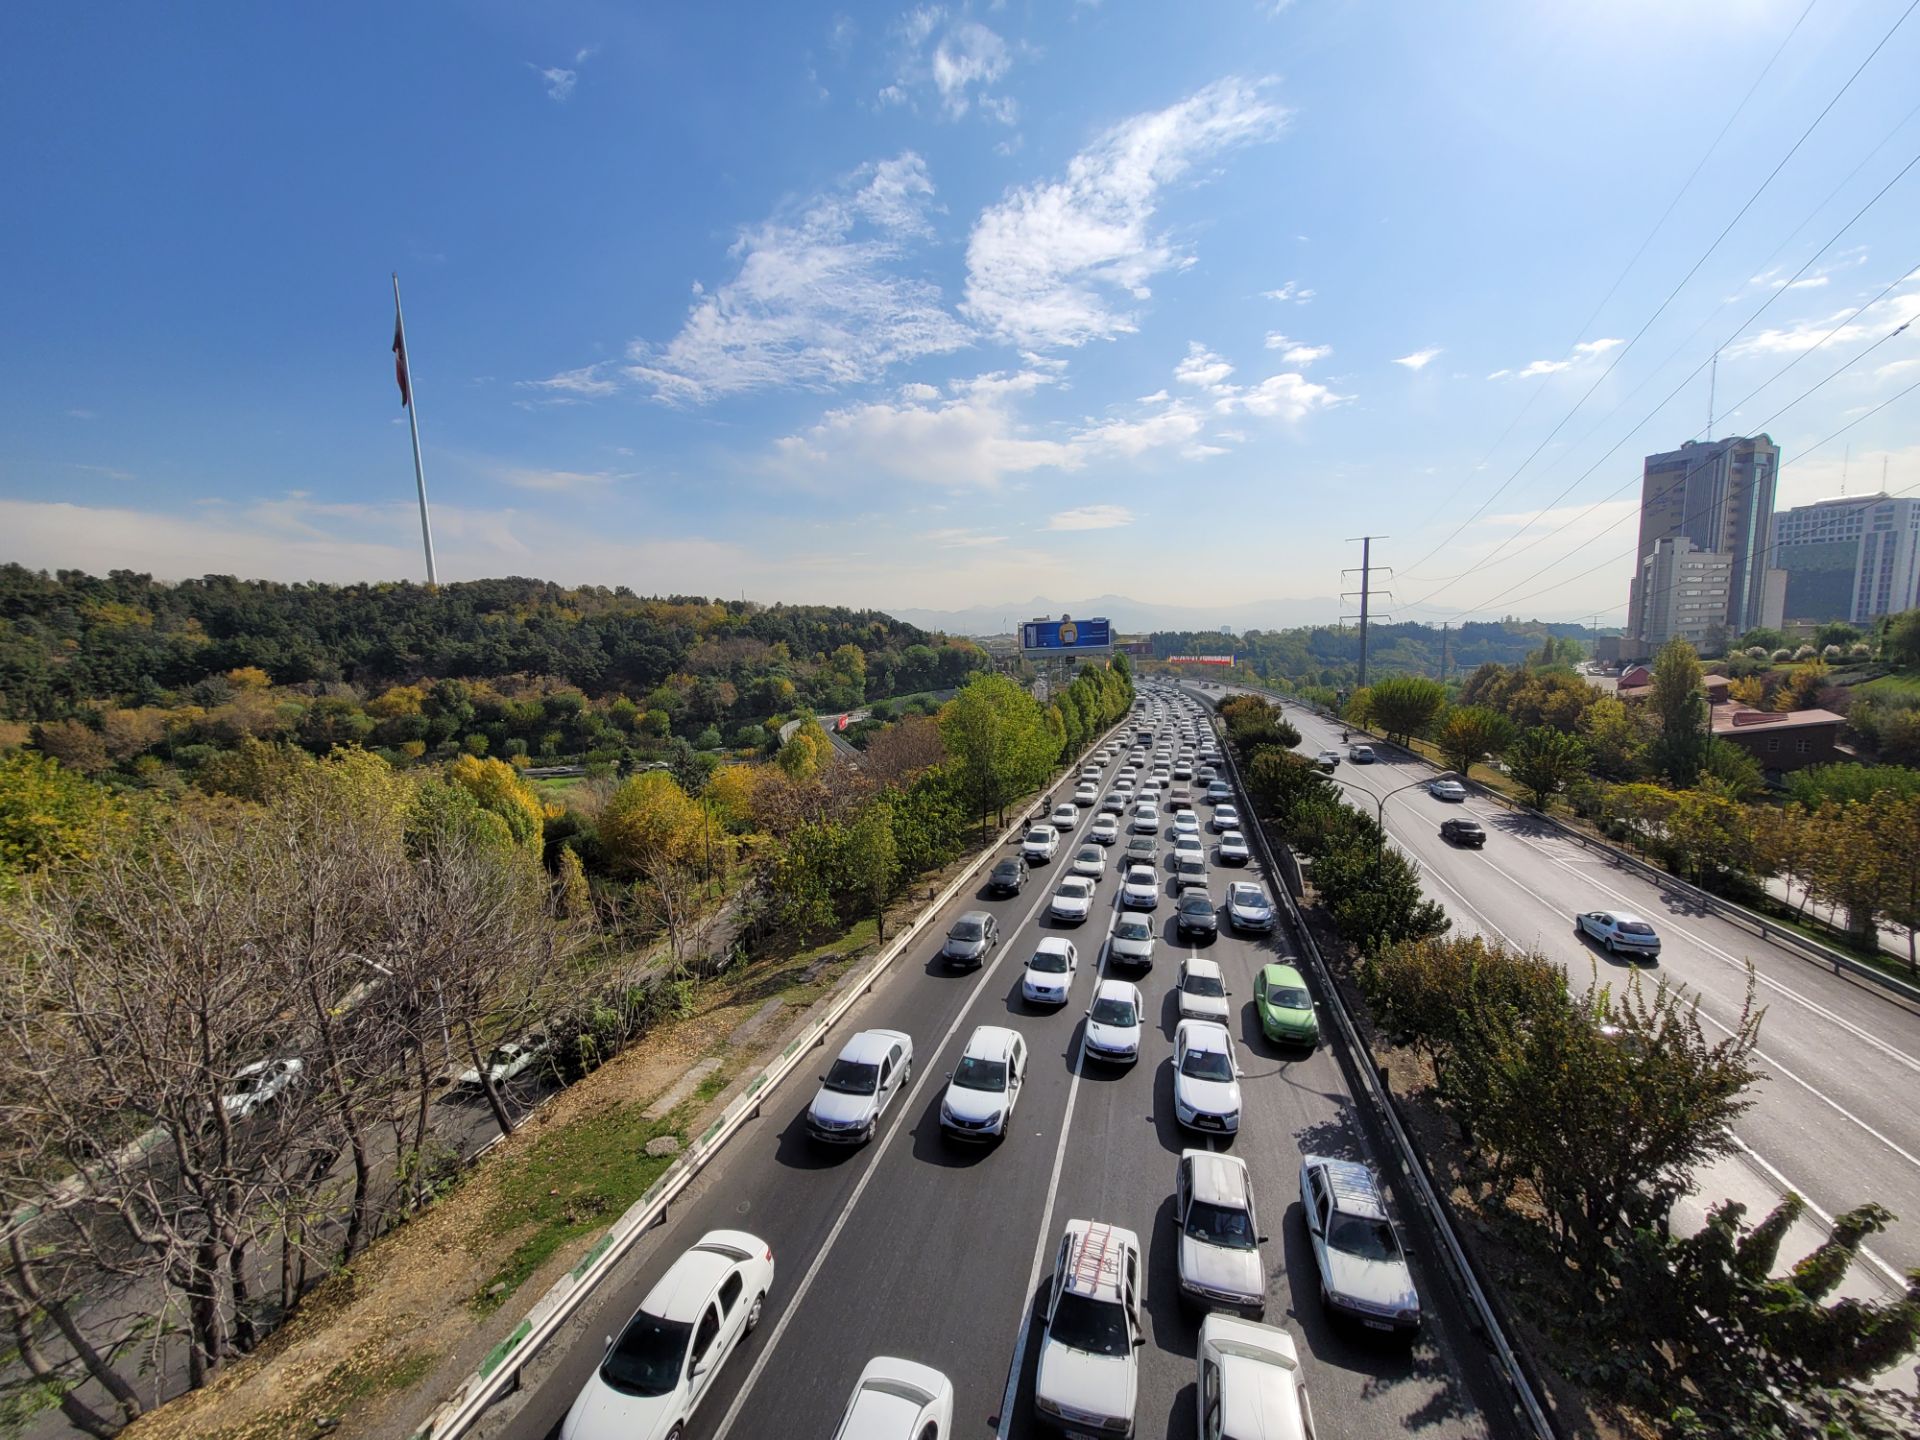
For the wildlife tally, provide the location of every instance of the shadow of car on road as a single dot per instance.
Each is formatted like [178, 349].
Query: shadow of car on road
[798, 1150]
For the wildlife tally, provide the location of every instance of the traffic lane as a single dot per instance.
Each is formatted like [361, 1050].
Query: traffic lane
[936, 1250]
[770, 1179]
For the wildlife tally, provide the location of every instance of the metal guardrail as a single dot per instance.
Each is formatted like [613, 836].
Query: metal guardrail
[1784, 937]
[1406, 1157]
[499, 1372]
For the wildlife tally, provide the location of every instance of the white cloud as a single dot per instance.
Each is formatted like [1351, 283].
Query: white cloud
[964, 63]
[1174, 425]
[1201, 367]
[970, 54]
[1598, 347]
[961, 539]
[1286, 397]
[1585, 350]
[1418, 359]
[816, 301]
[1091, 517]
[919, 392]
[1043, 263]
[1293, 291]
[1896, 367]
[81, 413]
[588, 382]
[1874, 321]
[570, 481]
[558, 80]
[1294, 352]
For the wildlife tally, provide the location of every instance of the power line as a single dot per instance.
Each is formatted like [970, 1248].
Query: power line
[1683, 282]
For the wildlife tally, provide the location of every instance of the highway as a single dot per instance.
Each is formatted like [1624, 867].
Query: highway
[914, 1247]
[1833, 1119]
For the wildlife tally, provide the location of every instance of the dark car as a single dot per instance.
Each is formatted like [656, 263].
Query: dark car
[972, 936]
[1007, 878]
[1463, 832]
[1195, 914]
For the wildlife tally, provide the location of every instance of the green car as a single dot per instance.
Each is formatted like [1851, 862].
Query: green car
[1286, 1009]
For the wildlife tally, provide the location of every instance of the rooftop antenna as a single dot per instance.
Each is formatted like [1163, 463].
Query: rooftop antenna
[1846, 464]
[1883, 473]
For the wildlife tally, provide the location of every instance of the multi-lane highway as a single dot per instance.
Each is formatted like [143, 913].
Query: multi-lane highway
[1833, 1119]
[914, 1247]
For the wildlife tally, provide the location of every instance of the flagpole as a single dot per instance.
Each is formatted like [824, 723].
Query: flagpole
[413, 423]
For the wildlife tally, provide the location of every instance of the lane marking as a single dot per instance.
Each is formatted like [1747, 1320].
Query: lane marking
[1895, 1280]
[875, 1151]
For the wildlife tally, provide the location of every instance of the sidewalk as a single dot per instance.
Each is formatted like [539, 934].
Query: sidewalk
[1894, 940]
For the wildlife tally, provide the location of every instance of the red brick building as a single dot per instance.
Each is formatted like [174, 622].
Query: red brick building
[1781, 741]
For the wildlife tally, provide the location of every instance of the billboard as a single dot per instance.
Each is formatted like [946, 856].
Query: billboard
[1200, 659]
[1065, 636]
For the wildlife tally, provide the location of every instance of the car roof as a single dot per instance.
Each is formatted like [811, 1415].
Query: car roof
[1202, 1035]
[1111, 1243]
[1138, 871]
[990, 1042]
[1355, 1192]
[1077, 884]
[1054, 945]
[1199, 965]
[870, 1047]
[1283, 975]
[1624, 917]
[1241, 886]
[1117, 990]
[978, 916]
[679, 1294]
[1217, 1179]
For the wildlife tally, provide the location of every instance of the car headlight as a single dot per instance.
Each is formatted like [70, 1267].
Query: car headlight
[1409, 1317]
[1042, 1402]
[1231, 1117]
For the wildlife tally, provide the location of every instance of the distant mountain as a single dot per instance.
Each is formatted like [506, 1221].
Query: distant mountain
[1131, 617]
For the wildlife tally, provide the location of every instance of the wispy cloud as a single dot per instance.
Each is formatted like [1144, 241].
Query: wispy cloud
[560, 80]
[1418, 359]
[1585, 350]
[1295, 352]
[1091, 517]
[960, 66]
[1874, 321]
[961, 539]
[1046, 264]
[571, 482]
[816, 302]
[1201, 367]
[1293, 292]
[78, 413]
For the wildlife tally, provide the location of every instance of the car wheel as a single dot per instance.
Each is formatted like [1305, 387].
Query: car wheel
[753, 1317]
[1612, 949]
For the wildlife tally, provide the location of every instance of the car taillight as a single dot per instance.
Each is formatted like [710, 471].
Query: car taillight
[769, 1253]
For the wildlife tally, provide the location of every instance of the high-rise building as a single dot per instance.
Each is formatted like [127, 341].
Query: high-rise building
[1717, 494]
[1849, 559]
[1682, 591]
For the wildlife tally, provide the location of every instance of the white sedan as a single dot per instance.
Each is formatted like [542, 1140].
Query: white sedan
[1113, 1022]
[1090, 861]
[664, 1362]
[1186, 823]
[984, 1088]
[259, 1086]
[505, 1062]
[1232, 849]
[898, 1400]
[1447, 790]
[1131, 942]
[1073, 901]
[1041, 844]
[1049, 973]
[1206, 1081]
[1104, 831]
[1225, 817]
[1146, 819]
[1065, 817]
[1141, 891]
[1250, 1378]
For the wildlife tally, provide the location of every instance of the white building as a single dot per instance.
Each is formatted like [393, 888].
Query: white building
[1849, 559]
[1682, 591]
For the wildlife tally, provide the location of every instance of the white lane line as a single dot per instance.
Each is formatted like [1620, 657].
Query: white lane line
[873, 1166]
[1769, 982]
[1040, 1245]
[1893, 1277]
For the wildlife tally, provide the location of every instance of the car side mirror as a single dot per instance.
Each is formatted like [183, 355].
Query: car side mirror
[699, 1368]
[1264, 1239]
[949, 1074]
[1139, 1340]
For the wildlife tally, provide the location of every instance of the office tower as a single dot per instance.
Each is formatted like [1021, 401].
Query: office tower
[1717, 494]
[1849, 559]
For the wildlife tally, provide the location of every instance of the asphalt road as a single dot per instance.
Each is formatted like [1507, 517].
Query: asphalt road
[914, 1247]
[1834, 1118]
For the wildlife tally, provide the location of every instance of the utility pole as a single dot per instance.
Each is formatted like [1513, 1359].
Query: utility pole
[1713, 382]
[1364, 594]
[1444, 666]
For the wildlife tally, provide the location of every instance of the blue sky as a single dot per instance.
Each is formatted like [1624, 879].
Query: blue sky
[939, 306]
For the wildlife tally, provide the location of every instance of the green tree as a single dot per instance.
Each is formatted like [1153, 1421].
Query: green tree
[1544, 761]
[1469, 734]
[805, 752]
[1405, 705]
[870, 861]
[1000, 742]
[1900, 641]
[1616, 737]
[1426, 992]
[1679, 705]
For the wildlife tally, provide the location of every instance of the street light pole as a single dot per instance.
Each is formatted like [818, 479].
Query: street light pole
[1380, 808]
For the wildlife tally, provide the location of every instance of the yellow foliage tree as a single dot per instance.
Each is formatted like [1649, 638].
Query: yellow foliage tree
[649, 821]
[249, 677]
[499, 788]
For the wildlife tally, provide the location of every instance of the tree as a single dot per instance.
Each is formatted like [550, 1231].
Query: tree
[500, 789]
[1679, 704]
[1900, 641]
[1000, 742]
[76, 746]
[1405, 705]
[1469, 734]
[870, 862]
[1803, 687]
[805, 752]
[1734, 769]
[1616, 736]
[51, 817]
[1424, 992]
[647, 821]
[1545, 761]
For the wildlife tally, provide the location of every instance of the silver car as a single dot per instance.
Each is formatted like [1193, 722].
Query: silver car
[1619, 933]
[1363, 1272]
[1219, 1257]
[874, 1066]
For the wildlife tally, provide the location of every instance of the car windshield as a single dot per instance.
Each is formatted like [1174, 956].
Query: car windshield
[977, 1074]
[1089, 853]
[1204, 985]
[1288, 997]
[1206, 1065]
[966, 930]
[853, 1077]
[1249, 897]
[1369, 1238]
[1097, 1327]
[1110, 1011]
[247, 1084]
[1007, 867]
[1195, 904]
[1635, 927]
[1467, 827]
[1039, 837]
[504, 1055]
[646, 1359]
[1075, 890]
[1049, 962]
[1218, 1225]
[1133, 930]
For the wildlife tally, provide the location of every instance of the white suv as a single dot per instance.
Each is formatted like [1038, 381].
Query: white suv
[1089, 1377]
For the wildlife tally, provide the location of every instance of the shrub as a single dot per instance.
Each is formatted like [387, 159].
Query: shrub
[1805, 652]
[1782, 655]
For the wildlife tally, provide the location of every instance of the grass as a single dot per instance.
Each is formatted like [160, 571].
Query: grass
[557, 785]
[574, 1180]
[1906, 687]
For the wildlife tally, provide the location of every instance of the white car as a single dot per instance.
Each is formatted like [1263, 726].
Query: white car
[1616, 930]
[1363, 1271]
[1203, 990]
[663, 1363]
[1115, 803]
[1225, 817]
[1087, 794]
[1065, 817]
[1447, 790]
[985, 1086]
[1113, 1022]
[1250, 1382]
[1219, 1259]
[874, 1066]
[259, 1086]
[1206, 1081]
[1073, 901]
[1248, 907]
[1088, 1376]
[1146, 819]
[1049, 974]
[1104, 831]
[506, 1062]
[1090, 861]
[1186, 823]
[1232, 849]
[898, 1400]
[1042, 844]
[1141, 889]
[1131, 942]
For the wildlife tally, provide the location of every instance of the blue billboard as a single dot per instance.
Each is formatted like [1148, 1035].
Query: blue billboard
[1066, 635]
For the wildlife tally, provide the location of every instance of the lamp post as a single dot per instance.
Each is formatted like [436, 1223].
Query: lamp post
[1380, 807]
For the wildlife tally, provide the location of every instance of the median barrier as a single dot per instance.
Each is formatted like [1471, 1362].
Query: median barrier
[498, 1374]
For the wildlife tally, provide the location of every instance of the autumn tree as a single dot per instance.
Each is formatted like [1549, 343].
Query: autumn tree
[1469, 734]
[647, 821]
[500, 789]
[1404, 706]
[1544, 761]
